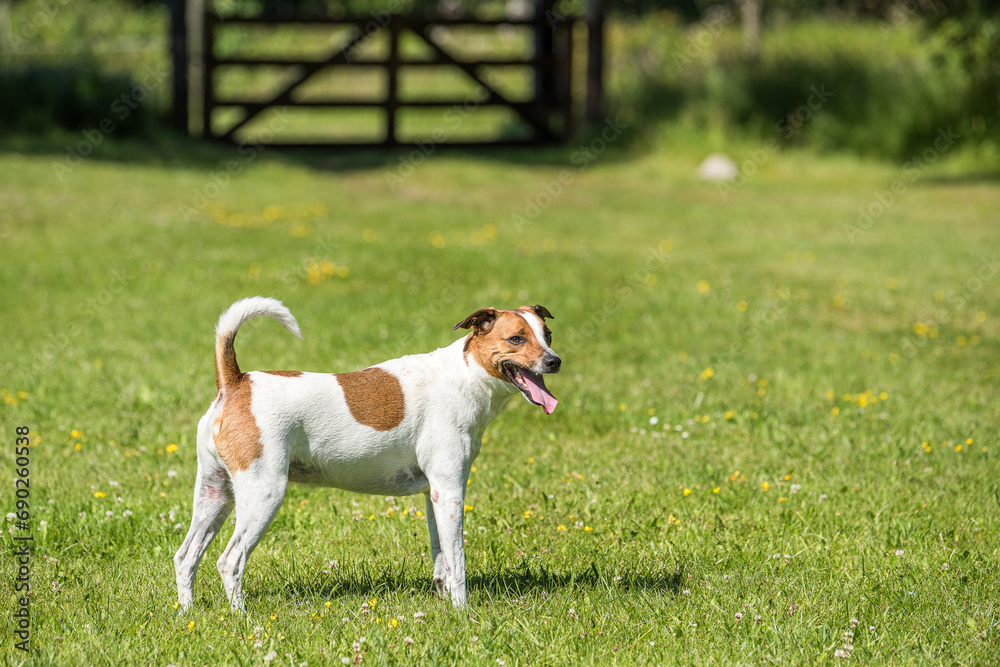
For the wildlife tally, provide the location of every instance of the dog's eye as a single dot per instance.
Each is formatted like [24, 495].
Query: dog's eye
[548, 337]
[515, 340]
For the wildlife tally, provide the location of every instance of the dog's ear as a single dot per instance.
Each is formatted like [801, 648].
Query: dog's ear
[542, 312]
[482, 320]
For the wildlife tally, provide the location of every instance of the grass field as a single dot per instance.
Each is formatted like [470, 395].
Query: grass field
[777, 436]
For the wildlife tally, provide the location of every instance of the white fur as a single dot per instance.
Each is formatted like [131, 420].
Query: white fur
[537, 325]
[449, 401]
[246, 309]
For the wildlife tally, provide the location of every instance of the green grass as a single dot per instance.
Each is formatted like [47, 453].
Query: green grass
[748, 495]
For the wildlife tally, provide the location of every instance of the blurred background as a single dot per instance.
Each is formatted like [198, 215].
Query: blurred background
[898, 71]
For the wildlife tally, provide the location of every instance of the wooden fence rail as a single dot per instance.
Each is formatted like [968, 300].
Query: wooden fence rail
[549, 112]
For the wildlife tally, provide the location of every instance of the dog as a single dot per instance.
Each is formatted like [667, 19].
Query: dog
[406, 426]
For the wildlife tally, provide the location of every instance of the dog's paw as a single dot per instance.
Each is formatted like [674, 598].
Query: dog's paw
[441, 586]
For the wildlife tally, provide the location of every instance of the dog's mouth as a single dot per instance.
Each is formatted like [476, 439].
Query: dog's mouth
[531, 385]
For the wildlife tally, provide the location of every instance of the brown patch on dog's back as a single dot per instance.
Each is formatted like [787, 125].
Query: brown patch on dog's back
[374, 397]
[285, 374]
[235, 431]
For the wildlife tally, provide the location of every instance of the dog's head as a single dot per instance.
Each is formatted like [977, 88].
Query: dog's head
[513, 346]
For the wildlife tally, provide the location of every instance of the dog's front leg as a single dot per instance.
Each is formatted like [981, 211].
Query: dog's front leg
[437, 558]
[445, 523]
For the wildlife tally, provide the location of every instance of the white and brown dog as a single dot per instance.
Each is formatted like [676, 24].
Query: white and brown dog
[406, 426]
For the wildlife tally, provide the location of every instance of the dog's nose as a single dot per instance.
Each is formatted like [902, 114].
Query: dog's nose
[551, 363]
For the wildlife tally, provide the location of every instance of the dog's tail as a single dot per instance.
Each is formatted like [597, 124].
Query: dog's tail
[227, 371]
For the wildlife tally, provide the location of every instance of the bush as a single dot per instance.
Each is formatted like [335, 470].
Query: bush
[42, 98]
[846, 86]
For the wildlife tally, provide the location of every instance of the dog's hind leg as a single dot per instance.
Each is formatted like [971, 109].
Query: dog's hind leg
[213, 501]
[258, 498]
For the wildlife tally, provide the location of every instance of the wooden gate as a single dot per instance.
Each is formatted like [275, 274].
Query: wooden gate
[547, 114]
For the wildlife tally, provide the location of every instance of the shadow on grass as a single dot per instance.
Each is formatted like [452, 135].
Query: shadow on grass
[171, 149]
[501, 583]
[982, 177]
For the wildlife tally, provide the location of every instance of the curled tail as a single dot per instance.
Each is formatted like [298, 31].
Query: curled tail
[227, 371]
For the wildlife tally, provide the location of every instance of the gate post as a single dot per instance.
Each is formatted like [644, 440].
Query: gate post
[207, 65]
[594, 112]
[392, 69]
[179, 59]
[545, 51]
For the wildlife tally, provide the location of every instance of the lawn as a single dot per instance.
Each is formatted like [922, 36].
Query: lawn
[776, 438]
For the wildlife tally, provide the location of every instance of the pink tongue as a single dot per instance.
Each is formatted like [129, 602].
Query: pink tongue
[539, 394]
